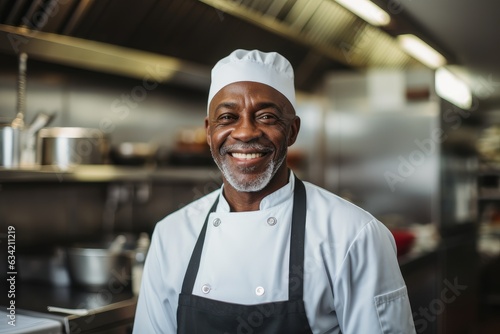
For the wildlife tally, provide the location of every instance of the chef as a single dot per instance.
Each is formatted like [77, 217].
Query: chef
[267, 252]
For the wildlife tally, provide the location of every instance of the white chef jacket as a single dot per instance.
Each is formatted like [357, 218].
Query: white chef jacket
[352, 280]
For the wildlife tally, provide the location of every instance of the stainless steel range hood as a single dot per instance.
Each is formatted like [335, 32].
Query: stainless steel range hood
[182, 39]
[150, 67]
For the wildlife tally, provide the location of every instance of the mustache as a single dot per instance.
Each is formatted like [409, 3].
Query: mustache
[245, 146]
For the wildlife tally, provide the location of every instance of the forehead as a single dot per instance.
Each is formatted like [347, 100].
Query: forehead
[249, 90]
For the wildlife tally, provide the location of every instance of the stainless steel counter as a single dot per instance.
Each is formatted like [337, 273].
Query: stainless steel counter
[110, 310]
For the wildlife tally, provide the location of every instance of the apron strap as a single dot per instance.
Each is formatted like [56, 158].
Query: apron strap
[194, 262]
[297, 239]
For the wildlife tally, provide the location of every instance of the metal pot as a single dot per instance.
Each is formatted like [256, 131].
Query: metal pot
[10, 146]
[102, 264]
[94, 268]
[66, 147]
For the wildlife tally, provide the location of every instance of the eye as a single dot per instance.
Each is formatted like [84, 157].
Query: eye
[267, 118]
[226, 118]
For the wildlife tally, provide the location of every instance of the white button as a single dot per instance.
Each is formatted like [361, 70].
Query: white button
[216, 222]
[272, 221]
[259, 291]
[206, 288]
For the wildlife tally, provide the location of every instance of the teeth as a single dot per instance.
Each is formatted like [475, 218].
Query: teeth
[247, 156]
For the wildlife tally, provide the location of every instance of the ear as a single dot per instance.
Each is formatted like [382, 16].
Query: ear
[207, 132]
[294, 130]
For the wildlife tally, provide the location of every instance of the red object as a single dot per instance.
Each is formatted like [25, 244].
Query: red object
[404, 241]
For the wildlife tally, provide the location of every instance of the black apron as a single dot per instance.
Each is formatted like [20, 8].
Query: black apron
[196, 314]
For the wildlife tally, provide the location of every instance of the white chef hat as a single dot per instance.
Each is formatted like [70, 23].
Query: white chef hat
[270, 68]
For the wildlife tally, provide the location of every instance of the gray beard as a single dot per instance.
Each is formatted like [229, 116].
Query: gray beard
[258, 184]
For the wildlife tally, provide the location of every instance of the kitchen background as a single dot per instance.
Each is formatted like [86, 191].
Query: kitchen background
[375, 130]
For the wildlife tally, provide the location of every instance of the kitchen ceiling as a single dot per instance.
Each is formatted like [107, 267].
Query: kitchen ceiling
[317, 36]
[467, 30]
[189, 36]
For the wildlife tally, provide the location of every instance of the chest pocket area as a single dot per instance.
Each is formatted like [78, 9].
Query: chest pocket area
[391, 306]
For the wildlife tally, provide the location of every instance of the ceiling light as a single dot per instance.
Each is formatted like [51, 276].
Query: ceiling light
[452, 89]
[367, 10]
[421, 51]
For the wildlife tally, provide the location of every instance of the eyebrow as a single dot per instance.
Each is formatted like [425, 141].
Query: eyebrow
[228, 105]
[281, 110]
[259, 106]
[265, 105]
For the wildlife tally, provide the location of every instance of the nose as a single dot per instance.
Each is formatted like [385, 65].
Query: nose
[246, 129]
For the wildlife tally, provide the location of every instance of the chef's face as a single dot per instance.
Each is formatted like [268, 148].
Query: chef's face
[249, 128]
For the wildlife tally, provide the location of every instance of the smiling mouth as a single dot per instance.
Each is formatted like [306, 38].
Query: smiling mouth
[246, 156]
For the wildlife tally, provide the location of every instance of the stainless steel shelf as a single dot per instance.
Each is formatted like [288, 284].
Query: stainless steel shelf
[489, 169]
[110, 173]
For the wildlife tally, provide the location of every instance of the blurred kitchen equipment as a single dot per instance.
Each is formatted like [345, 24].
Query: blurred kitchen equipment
[117, 244]
[18, 122]
[191, 149]
[70, 146]
[47, 267]
[488, 144]
[72, 311]
[404, 241]
[400, 228]
[28, 151]
[11, 133]
[139, 260]
[94, 266]
[10, 143]
[134, 154]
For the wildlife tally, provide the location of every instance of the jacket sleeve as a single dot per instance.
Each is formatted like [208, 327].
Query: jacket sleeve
[154, 313]
[370, 294]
